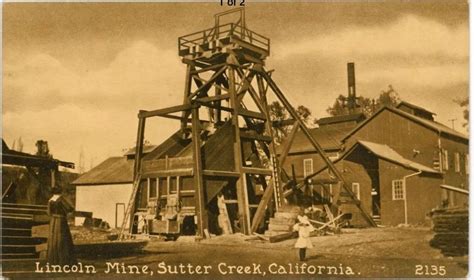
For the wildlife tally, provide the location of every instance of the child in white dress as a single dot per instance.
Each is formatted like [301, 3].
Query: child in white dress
[304, 228]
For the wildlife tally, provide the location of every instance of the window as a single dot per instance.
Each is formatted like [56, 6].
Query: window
[466, 163]
[152, 188]
[445, 160]
[308, 166]
[356, 190]
[457, 162]
[398, 193]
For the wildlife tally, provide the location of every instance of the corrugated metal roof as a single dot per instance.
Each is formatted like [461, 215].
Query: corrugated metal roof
[427, 123]
[385, 152]
[114, 170]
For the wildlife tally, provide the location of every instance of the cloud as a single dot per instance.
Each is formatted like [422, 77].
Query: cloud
[96, 110]
[409, 36]
[139, 75]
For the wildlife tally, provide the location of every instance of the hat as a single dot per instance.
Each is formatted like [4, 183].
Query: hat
[303, 219]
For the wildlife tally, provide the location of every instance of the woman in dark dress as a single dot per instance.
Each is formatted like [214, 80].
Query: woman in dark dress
[60, 245]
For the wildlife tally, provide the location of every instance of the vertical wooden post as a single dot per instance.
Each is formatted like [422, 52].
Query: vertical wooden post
[187, 90]
[139, 147]
[136, 170]
[53, 178]
[200, 204]
[242, 199]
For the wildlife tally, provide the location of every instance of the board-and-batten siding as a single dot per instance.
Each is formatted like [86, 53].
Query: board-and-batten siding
[401, 134]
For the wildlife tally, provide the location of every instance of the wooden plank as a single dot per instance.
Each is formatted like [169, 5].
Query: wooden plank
[259, 171]
[287, 145]
[220, 173]
[165, 111]
[83, 214]
[41, 231]
[213, 98]
[166, 173]
[251, 114]
[260, 213]
[282, 237]
[208, 83]
[201, 209]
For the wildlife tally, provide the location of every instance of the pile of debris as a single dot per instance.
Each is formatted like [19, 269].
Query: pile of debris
[451, 227]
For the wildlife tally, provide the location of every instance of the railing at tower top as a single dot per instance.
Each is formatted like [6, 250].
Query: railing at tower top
[229, 30]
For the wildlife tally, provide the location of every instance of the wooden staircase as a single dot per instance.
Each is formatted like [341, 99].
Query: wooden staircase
[17, 221]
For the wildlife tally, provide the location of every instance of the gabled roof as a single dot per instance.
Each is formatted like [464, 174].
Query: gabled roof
[343, 118]
[327, 136]
[415, 107]
[440, 128]
[387, 153]
[384, 152]
[114, 170]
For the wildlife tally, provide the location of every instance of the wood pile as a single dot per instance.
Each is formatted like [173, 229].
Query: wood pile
[451, 227]
[281, 226]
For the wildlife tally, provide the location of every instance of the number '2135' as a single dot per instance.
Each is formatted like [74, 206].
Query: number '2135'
[232, 2]
[430, 270]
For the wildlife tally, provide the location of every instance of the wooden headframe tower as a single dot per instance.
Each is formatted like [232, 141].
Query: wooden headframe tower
[226, 82]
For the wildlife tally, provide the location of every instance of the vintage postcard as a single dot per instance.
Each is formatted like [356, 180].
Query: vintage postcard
[235, 139]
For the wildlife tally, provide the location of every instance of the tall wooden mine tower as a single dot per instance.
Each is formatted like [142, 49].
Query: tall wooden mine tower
[225, 127]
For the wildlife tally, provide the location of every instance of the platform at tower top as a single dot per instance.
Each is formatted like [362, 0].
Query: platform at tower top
[211, 43]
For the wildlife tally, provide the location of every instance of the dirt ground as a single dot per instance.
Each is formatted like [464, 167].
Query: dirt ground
[378, 252]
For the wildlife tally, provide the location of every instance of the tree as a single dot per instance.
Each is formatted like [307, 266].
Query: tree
[464, 103]
[387, 97]
[279, 113]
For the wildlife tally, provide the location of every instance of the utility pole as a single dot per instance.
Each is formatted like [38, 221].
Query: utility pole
[452, 122]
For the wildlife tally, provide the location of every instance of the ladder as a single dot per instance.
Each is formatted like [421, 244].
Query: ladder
[130, 207]
[276, 182]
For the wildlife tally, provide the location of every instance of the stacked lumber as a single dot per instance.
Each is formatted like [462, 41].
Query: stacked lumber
[451, 227]
[281, 226]
[18, 242]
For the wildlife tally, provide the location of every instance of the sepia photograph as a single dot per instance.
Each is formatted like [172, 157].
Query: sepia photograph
[235, 139]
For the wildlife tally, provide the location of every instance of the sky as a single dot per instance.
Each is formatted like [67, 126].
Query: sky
[76, 74]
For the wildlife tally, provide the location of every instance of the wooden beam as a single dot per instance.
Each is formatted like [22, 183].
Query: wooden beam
[213, 98]
[276, 166]
[244, 215]
[207, 68]
[172, 172]
[187, 92]
[251, 114]
[165, 111]
[262, 206]
[201, 209]
[258, 171]
[279, 94]
[289, 142]
[208, 83]
[220, 173]
[214, 84]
